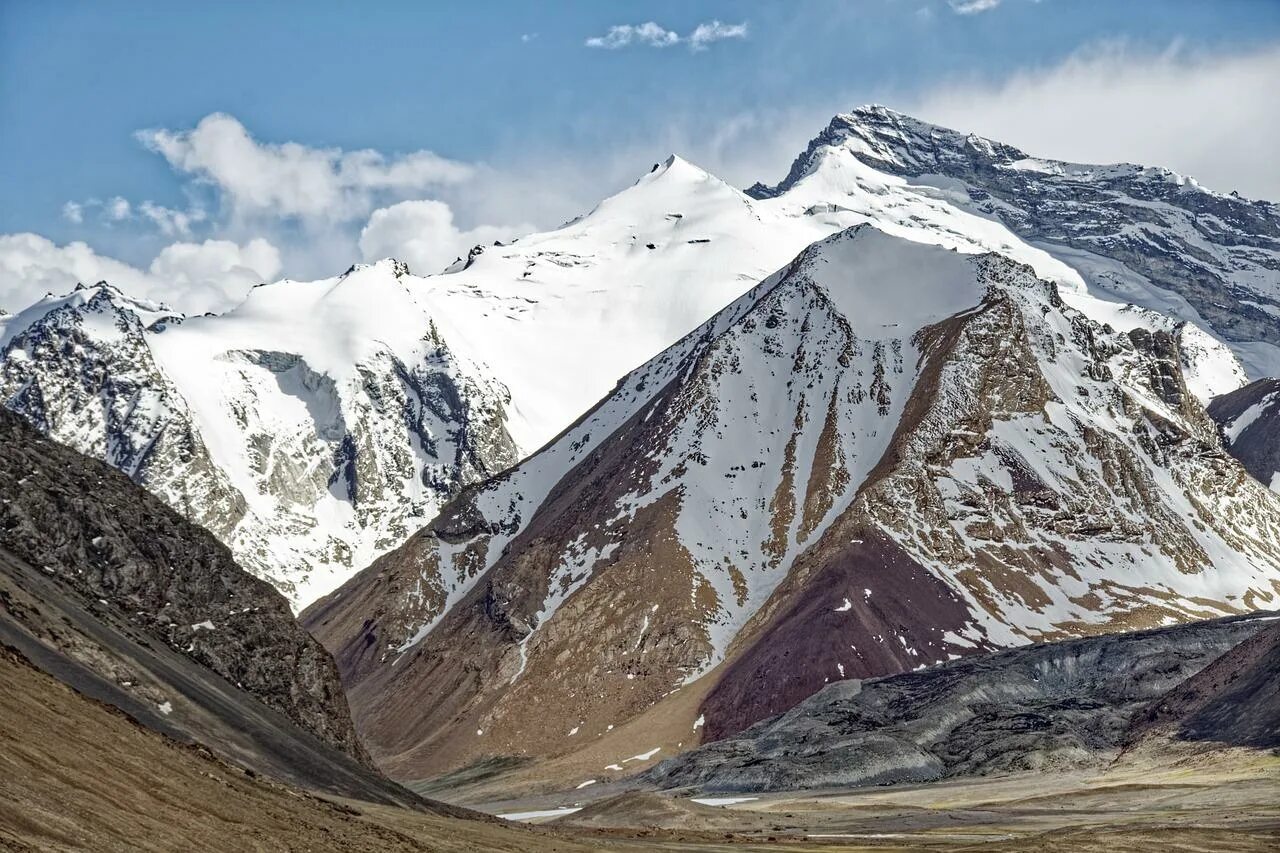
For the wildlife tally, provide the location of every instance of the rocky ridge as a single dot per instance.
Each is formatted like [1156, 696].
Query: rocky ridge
[78, 538]
[1137, 234]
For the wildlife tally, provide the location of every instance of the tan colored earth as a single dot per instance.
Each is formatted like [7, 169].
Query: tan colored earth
[78, 775]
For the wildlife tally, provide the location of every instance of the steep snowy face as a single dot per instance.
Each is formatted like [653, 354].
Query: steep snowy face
[560, 316]
[884, 455]
[311, 428]
[1135, 233]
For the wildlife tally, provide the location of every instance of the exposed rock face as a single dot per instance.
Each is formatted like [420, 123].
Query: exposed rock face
[1143, 234]
[1050, 707]
[1235, 700]
[83, 373]
[1250, 422]
[886, 455]
[105, 544]
[312, 428]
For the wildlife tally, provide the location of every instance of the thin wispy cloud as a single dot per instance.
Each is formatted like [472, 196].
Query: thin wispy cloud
[168, 221]
[650, 34]
[622, 35]
[1118, 102]
[713, 31]
[972, 7]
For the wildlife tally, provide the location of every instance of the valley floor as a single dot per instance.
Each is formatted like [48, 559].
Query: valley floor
[1199, 801]
[78, 775]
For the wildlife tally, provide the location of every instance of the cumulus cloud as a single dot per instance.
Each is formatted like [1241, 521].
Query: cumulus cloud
[215, 274]
[117, 209]
[73, 212]
[1208, 115]
[423, 234]
[192, 277]
[972, 7]
[296, 181]
[654, 35]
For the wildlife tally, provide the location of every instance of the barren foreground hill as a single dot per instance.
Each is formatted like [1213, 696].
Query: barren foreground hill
[77, 775]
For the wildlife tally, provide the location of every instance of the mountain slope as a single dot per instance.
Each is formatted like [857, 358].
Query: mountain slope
[1235, 700]
[77, 775]
[1250, 421]
[108, 588]
[311, 428]
[1056, 706]
[887, 454]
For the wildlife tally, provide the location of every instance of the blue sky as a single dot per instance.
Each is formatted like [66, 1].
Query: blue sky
[547, 124]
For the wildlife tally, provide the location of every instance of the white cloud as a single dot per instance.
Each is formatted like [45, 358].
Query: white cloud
[294, 181]
[31, 265]
[423, 235]
[192, 277]
[528, 37]
[713, 31]
[972, 7]
[653, 35]
[117, 209]
[1211, 116]
[171, 222]
[215, 274]
[622, 35]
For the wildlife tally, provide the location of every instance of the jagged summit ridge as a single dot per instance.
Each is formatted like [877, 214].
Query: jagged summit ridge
[892, 139]
[1139, 234]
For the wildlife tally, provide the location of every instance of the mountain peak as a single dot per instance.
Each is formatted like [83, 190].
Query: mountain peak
[676, 166]
[396, 267]
[92, 298]
[892, 142]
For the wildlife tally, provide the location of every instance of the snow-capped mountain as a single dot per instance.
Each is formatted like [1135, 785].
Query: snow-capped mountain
[1136, 234]
[887, 454]
[311, 428]
[320, 423]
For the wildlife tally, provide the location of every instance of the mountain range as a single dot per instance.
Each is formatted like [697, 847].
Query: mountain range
[670, 468]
